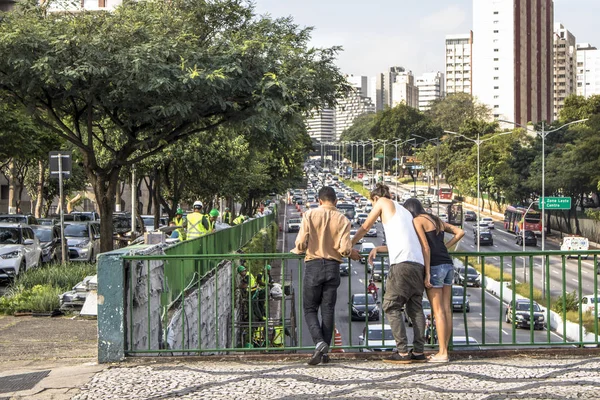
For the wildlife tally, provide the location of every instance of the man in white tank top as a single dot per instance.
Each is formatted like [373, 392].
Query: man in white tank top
[406, 280]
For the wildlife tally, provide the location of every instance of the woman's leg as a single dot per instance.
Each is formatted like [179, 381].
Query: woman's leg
[447, 306]
[436, 298]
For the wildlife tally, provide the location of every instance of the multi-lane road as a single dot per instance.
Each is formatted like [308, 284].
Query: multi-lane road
[465, 324]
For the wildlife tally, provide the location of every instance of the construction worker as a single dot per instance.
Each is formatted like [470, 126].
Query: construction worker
[180, 222]
[249, 285]
[226, 216]
[239, 220]
[212, 219]
[197, 223]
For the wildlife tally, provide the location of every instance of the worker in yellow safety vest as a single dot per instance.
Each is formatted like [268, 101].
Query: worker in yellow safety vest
[197, 223]
[239, 220]
[180, 222]
[212, 219]
[226, 216]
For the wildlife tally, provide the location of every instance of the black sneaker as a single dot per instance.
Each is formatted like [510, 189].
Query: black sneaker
[396, 358]
[317, 356]
[325, 359]
[417, 358]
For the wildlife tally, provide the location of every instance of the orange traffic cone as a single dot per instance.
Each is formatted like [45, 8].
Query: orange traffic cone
[337, 341]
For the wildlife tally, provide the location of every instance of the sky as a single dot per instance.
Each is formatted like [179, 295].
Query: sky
[378, 34]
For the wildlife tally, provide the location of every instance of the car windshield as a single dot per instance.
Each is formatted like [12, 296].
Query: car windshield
[13, 218]
[470, 271]
[76, 231]
[375, 334]
[45, 235]
[360, 299]
[10, 236]
[525, 307]
[457, 291]
[295, 221]
[149, 221]
[426, 304]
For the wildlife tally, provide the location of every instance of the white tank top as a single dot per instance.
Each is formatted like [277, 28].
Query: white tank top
[402, 240]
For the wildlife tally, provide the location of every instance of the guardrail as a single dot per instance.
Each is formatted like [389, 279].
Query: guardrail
[214, 314]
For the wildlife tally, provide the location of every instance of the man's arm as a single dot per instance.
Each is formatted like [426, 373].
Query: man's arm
[302, 238]
[373, 215]
[374, 252]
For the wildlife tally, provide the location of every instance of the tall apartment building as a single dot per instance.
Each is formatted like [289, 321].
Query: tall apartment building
[588, 70]
[394, 87]
[349, 108]
[459, 77]
[513, 58]
[321, 125]
[431, 87]
[565, 67]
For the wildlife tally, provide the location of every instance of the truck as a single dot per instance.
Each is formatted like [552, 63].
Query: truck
[575, 243]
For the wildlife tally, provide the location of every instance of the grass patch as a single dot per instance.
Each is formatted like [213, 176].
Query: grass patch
[38, 290]
[357, 186]
[491, 271]
[588, 320]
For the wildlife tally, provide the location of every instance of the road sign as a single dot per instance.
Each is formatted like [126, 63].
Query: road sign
[556, 203]
[65, 164]
[379, 155]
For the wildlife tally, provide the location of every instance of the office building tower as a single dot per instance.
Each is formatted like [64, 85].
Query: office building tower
[394, 87]
[431, 87]
[588, 70]
[349, 108]
[565, 67]
[459, 49]
[321, 125]
[512, 58]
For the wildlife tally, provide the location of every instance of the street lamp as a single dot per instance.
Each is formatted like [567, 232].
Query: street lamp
[478, 142]
[437, 148]
[543, 134]
[523, 239]
[396, 146]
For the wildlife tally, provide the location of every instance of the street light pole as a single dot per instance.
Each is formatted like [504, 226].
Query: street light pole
[437, 147]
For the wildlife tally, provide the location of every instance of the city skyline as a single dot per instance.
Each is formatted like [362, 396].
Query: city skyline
[370, 34]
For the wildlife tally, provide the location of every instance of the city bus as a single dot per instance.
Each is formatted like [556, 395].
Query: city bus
[348, 209]
[445, 195]
[513, 220]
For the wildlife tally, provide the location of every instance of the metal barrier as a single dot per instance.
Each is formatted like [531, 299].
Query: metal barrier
[215, 314]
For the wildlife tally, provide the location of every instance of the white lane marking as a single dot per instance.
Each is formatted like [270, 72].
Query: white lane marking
[574, 280]
[495, 258]
[585, 272]
[555, 271]
[505, 240]
[537, 265]
[503, 331]
[361, 281]
[355, 272]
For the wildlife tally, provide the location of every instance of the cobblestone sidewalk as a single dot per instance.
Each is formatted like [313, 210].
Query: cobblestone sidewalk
[511, 378]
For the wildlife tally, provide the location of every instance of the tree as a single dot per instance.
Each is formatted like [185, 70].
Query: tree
[125, 85]
[453, 111]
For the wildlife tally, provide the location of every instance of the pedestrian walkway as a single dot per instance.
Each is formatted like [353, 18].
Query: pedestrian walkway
[501, 378]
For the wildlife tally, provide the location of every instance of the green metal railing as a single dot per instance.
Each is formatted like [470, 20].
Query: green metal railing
[282, 328]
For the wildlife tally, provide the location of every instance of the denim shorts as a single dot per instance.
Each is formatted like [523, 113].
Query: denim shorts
[441, 275]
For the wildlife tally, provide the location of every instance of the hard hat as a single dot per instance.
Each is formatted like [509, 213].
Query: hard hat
[197, 204]
[241, 269]
[179, 211]
[214, 212]
[226, 208]
[268, 267]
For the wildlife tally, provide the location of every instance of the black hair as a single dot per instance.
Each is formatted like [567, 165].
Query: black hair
[381, 190]
[327, 194]
[415, 207]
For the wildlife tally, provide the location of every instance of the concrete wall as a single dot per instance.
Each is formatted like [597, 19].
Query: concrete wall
[589, 228]
[214, 314]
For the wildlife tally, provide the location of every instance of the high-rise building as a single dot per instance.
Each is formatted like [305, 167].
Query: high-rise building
[565, 67]
[588, 70]
[513, 58]
[349, 108]
[431, 87]
[321, 125]
[459, 49]
[394, 87]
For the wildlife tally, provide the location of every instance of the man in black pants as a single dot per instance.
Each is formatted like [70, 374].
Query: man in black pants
[325, 238]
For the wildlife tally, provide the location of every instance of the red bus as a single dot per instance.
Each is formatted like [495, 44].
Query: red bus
[445, 195]
[513, 220]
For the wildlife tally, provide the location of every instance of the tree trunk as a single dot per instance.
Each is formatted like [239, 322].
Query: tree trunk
[105, 188]
[150, 187]
[39, 202]
[155, 198]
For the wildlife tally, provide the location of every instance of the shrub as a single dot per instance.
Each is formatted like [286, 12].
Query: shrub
[589, 322]
[56, 275]
[571, 301]
[40, 298]
[524, 289]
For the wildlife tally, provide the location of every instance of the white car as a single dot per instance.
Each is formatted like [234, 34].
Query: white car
[443, 217]
[353, 233]
[487, 220]
[19, 250]
[377, 338]
[83, 241]
[406, 196]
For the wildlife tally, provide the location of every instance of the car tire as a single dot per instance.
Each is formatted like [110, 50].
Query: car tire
[506, 318]
[468, 308]
[22, 267]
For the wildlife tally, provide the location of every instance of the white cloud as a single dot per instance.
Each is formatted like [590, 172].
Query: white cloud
[445, 20]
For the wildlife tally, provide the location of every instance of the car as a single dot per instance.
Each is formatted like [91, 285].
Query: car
[379, 270]
[344, 269]
[443, 217]
[149, 222]
[488, 221]
[426, 311]
[377, 338]
[86, 215]
[293, 224]
[473, 276]
[530, 239]
[470, 216]
[480, 226]
[372, 232]
[426, 203]
[574, 243]
[353, 233]
[363, 306]
[522, 314]
[48, 221]
[83, 240]
[19, 219]
[485, 238]
[460, 299]
[365, 249]
[20, 250]
[361, 218]
[405, 196]
[588, 303]
[49, 237]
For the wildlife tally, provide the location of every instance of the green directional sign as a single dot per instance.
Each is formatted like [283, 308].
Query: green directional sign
[556, 203]
[378, 155]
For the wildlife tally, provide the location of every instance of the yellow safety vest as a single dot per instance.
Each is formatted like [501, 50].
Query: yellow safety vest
[278, 337]
[227, 217]
[238, 220]
[180, 222]
[196, 225]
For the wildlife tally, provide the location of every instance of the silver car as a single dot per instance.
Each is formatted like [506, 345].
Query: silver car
[19, 250]
[83, 240]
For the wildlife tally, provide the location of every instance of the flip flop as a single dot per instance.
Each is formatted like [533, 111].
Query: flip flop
[433, 359]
